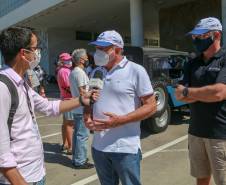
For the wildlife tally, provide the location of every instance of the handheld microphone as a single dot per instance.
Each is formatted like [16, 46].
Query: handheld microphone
[96, 82]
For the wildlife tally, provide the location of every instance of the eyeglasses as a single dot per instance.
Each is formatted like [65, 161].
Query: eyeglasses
[33, 48]
[202, 36]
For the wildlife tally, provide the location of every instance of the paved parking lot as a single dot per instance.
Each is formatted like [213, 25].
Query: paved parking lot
[165, 156]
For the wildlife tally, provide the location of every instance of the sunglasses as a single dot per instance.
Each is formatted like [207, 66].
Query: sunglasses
[202, 36]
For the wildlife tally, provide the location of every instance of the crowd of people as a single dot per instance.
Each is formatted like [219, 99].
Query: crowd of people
[73, 82]
[113, 111]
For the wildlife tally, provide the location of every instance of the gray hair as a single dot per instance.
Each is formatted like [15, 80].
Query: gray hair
[77, 54]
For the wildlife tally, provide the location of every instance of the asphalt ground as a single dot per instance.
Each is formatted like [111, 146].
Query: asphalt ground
[165, 155]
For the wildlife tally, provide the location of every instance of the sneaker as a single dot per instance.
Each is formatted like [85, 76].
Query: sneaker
[63, 148]
[87, 159]
[86, 165]
[69, 152]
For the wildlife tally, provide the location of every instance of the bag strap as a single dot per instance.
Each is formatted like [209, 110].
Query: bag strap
[14, 99]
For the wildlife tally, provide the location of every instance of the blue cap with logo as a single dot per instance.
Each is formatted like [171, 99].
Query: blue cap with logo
[205, 25]
[109, 38]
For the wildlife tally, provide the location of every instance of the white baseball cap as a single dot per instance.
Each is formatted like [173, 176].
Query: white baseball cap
[109, 38]
[205, 25]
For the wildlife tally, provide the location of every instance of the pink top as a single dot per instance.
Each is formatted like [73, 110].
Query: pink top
[25, 150]
[63, 82]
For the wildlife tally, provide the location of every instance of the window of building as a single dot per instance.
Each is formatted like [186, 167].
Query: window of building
[81, 35]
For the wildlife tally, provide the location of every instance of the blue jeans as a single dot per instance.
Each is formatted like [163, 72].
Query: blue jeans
[80, 141]
[41, 182]
[111, 167]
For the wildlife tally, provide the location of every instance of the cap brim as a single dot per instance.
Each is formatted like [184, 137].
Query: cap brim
[198, 32]
[101, 43]
[66, 58]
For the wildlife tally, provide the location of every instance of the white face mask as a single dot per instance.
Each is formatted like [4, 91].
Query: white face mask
[68, 64]
[37, 57]
[101, 58]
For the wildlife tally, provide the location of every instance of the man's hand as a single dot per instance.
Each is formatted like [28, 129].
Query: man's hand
[100, 125]
[89, 123]
[179, 92]
[92, 125]
[90, 96]
[113, 121]
[179, 95]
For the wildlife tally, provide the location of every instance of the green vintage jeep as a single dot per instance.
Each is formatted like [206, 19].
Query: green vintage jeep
[165, 69]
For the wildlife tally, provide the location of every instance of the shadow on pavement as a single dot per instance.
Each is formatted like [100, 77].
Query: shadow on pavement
[178, 117]
[53, 154]
[52, 90]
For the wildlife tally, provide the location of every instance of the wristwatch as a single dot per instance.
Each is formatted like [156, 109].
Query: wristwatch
[185, 92]
[81, 101]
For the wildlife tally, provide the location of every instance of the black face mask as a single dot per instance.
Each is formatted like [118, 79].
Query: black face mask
[202, 45]
[86, 63]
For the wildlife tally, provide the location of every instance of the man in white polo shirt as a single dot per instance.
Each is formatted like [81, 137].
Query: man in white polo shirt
[126, 98]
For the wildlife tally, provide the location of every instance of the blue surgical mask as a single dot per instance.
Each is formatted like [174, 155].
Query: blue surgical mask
[202, 45]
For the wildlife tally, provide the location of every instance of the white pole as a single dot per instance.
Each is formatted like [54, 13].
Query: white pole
[136, 21]
[223, 9]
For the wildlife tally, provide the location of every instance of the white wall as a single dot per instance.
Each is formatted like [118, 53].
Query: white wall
[0, 60]
[62, 40]
[223, 10]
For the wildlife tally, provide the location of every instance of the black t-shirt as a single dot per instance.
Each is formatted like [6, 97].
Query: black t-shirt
[208, 120]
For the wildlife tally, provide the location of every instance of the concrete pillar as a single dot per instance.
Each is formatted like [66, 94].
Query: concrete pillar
[223, 10]
[136, 21]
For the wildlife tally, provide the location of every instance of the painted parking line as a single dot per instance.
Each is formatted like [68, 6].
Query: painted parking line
[174, 150]
[55, 153]
[38, 117]
[145, 155]
[167, 145]
[51, 135]
[87, 180]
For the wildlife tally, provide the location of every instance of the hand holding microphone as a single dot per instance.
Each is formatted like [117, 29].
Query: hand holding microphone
[89, 97]
[96, 82]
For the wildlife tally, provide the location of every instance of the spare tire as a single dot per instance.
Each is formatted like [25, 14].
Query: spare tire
[159, 124]
[161, 96]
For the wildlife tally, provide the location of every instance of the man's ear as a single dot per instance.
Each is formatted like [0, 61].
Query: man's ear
[118, 50]
[217, 35]
[21, 54]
